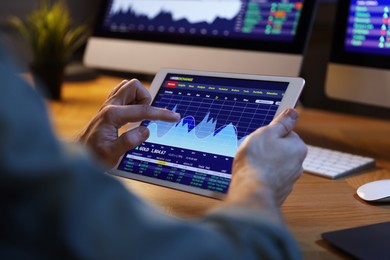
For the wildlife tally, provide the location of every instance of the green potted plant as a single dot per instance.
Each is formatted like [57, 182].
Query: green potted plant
[48, 30]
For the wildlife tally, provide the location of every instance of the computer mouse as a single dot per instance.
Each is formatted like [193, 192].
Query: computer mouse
[376, 191]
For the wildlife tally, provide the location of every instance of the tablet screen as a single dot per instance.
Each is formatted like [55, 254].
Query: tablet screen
[217, 114]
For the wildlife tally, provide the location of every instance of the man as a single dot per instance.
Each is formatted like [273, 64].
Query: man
[57, 203]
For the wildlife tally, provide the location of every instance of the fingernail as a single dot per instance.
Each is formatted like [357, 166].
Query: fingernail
[292, 113]
[176, 115]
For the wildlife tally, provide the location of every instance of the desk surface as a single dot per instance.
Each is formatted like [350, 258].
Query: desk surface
[316, 204]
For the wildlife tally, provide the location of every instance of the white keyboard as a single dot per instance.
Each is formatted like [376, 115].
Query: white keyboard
[332, 164]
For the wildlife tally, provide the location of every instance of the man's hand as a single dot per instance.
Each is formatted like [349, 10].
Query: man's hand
[128, 102]
[268, 163]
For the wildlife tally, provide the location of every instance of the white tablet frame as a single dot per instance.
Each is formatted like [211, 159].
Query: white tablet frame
[289, 100]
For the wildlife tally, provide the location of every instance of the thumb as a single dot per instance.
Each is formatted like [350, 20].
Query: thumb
[130, 140]
[285, 122]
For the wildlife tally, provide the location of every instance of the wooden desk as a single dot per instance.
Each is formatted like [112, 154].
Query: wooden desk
[316, 205]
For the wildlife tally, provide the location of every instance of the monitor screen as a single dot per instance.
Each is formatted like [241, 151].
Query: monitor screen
[219, 35]
[363, 34]
[367, 27]
[233, 20]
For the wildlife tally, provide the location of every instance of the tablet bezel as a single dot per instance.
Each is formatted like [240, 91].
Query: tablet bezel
[289, 100]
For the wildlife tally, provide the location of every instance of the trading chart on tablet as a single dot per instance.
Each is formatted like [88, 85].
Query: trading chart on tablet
[217, 115]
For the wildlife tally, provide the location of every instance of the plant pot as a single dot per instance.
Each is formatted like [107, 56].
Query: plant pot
[48, 79]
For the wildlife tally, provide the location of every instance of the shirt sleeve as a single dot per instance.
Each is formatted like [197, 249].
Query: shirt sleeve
[60, 204]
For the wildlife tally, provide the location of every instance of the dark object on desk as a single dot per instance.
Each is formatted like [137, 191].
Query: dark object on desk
[365, 242]
[76, 72]
[48, 78]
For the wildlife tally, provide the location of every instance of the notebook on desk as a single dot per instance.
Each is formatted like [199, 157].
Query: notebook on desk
[365, 242]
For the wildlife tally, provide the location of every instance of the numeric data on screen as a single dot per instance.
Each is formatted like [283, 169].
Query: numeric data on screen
[368, 27]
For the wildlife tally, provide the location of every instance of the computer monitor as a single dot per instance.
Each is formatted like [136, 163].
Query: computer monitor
[241, 36]
[358, 71]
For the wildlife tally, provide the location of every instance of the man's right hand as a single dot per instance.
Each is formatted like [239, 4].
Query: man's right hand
[268, 163]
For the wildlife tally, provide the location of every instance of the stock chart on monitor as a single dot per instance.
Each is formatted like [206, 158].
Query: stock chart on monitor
[368, 27]
[249, 19]
[217, 115]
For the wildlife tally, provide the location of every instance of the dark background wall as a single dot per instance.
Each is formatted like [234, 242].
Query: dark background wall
[82, 11]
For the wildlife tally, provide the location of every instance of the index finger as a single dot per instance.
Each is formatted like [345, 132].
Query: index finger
[121, 115]
[130, 92]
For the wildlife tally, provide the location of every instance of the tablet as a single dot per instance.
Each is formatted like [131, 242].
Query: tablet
[218, 111]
